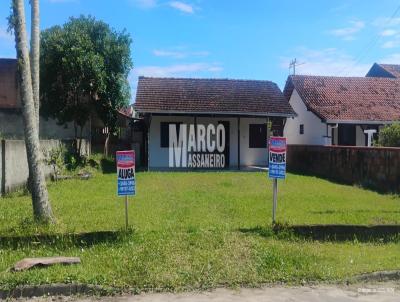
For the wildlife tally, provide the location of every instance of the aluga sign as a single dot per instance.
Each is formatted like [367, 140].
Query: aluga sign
[197, 146]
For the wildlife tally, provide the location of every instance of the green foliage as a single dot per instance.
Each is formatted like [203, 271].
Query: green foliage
[84, 67]
[55, 158]
[389, 136]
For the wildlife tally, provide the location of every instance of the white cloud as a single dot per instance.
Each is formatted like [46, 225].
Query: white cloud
[61, 1]
[391, 44]
[329, 62]
[181, 6]
[179, 54]
[393, 58]
[347, 33]
[144, 3]
[178, 70]
[386, 22]
[388, 32]
[5, 36]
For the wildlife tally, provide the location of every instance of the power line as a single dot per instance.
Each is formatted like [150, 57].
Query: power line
[374, 40]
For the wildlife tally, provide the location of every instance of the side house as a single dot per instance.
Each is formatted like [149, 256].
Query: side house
[11, 123]
[241, 109]
[337, 110]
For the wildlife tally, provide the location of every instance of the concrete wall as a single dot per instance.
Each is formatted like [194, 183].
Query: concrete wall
[13, 162]
[158, 157]
[377, 168]
[11, 126]
[314, 128]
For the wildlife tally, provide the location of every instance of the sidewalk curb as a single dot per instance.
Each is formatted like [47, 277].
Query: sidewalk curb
[52, 290]
[379, 276]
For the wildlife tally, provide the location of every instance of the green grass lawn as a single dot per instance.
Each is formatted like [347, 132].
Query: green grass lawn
[196, 230]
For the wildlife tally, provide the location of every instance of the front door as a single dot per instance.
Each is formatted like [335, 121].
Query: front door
[227, 142]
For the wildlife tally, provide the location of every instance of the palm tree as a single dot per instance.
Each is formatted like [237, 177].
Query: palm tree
[35, 55]
[40, 200]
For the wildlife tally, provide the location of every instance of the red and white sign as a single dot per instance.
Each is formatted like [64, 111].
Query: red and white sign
[126, 172]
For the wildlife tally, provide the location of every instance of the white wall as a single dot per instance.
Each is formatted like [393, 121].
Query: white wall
[158, 157]
[360, 136]
[314, 128]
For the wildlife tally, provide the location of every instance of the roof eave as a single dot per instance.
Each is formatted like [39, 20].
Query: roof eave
[362, 122]
[260, 114]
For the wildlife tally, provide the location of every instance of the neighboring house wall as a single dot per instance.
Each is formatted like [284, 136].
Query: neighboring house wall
[314, 128]
[13, 161]
[11, 126]
[158, 157]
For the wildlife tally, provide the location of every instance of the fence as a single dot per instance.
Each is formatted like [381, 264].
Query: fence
[376, 168]
[13, 162]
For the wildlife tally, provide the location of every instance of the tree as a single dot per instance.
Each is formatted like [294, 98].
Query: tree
[35, 55]
[84, 69]
[40, 201]
[389, 136]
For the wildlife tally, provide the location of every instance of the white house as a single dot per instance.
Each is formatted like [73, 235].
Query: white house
[338, 110]
[210, 123]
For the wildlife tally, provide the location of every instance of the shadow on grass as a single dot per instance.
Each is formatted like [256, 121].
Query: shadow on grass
[332, 232]
[364, 184]
[64, 240]
[108, 166]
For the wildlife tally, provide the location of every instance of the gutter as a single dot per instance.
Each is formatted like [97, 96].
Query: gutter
[219, 113]
[358, 122]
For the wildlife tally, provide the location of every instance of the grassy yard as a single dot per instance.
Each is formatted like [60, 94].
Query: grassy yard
[199, 230]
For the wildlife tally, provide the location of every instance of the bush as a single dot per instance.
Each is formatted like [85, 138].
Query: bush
[389, 136]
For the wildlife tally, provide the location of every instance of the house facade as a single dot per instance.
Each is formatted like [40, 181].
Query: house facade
[346, 111]
[209, 123]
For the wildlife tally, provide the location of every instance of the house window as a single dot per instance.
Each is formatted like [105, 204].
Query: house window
[301, 128]
[164, 133]
[257, 136]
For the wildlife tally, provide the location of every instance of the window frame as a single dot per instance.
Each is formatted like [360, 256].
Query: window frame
[261, 141]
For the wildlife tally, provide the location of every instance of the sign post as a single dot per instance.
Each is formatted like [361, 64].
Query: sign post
[126, 177]
[276, 167]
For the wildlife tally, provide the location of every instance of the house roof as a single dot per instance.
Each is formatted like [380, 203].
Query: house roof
[9, 95]
[348, 99]
[384, 70]
[216, 96]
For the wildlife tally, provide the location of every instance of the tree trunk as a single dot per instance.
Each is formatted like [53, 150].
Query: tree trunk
[35, 57]
[40, 201]
[107, 145]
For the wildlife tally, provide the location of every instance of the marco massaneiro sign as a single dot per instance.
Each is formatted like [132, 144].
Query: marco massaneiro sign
[197, 146]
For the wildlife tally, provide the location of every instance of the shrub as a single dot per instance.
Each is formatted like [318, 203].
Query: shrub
[389, 136]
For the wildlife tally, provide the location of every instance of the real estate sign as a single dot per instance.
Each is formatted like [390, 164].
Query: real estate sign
[277, 157]
[126, 173]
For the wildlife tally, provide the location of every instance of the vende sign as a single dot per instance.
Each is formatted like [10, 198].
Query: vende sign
[277, 157]
[126, 173]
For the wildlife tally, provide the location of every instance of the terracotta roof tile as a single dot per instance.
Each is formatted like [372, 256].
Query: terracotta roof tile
[348, 98]
[210, 95]
[392, 69]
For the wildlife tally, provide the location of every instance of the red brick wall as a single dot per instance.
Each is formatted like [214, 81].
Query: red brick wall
[377, 168]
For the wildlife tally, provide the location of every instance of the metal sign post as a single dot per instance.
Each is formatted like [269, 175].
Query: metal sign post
[126, 213]
[275, 199]
[276, 167]
[126, 177]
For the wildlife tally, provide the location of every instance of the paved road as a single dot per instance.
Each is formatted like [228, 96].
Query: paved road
[385, 292]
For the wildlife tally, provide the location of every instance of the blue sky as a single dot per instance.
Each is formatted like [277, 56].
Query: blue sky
[239, 39]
